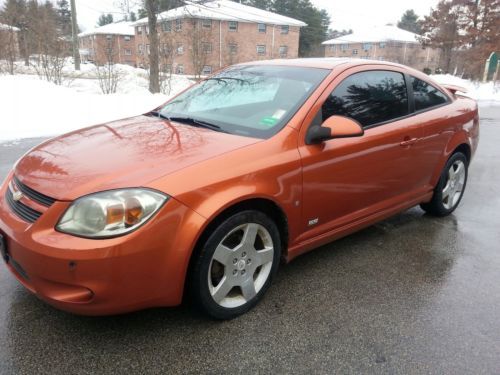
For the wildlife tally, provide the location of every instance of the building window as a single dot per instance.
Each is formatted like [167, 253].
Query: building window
[167, 26]
[178, 24]
[285, 29]
[206, 24]
[261, 27]
[261, 50]
[333, 48]
[410, 45]
[147, 49]
[180, 49]
[138, 29]
[233, 25]
[381, 45]
[127, 38]
[165, 48]
[167, 68]
[207, 69]
[146, 28]
[108, 37]
[344, 47]
[207, 47]
[354, 51]
[233, 48]
[283, 51]
[140, 49]
[180, 69]
[367, 46]
[128, 52]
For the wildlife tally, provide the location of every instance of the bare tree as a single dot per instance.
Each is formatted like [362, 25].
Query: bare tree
[107, 73]
[8, 46]
[166, 55]
[74, 32]
[154, 68]
[201, 45]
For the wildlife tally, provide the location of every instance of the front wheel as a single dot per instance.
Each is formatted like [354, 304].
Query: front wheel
[236, 265]
[450, 188]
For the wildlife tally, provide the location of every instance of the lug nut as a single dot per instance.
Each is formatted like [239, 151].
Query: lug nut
[235, 272]
[249, 261]
[235, 261]
[243, 272]
[243, 254]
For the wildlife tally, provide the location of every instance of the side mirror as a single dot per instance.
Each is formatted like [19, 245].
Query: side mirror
[334, 127]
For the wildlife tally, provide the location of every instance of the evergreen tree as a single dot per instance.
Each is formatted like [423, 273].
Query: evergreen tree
[105, 19]
[409, 22]
[63, 17]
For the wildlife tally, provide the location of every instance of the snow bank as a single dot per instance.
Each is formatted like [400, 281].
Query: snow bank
[30, 107]
[478, 90]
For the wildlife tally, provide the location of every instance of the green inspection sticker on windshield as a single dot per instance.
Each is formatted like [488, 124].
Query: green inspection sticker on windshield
[268, 121]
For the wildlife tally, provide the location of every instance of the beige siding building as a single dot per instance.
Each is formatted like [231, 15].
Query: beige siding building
[198, 39]
[385, 43]
[113, 43]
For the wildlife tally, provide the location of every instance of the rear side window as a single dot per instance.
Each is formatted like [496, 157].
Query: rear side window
[369, 97]
[426, 95]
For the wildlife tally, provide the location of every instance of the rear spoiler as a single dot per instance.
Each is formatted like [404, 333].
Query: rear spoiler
[453, 88]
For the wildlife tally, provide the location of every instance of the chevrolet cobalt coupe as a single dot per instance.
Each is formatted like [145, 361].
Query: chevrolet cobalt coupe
[204, 196]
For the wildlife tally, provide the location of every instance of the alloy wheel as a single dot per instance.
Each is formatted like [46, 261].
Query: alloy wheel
[240, 265]
[454, 186]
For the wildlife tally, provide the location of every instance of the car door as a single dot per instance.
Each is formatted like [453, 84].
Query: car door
[348, 179]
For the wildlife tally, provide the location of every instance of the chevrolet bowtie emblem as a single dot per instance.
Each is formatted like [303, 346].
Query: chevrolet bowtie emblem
[17, 196]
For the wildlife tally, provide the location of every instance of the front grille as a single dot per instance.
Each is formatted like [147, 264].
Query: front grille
[34, 195]
[24, 212]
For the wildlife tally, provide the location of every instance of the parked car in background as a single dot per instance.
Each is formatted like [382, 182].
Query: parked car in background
[259, 163]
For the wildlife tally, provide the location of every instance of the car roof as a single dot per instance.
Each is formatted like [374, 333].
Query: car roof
[323, 62]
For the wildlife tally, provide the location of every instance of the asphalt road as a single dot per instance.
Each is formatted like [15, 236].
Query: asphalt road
[411, 295]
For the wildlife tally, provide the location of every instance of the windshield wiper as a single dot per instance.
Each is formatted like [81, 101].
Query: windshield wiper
[157, 114]
[187, 120]
[195, 122]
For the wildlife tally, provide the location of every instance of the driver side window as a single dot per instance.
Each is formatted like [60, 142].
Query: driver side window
[369, 97]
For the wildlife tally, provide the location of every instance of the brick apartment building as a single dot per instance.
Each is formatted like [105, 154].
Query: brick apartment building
[113, 43]
[202, 38]
[9, 43]
[387, 43]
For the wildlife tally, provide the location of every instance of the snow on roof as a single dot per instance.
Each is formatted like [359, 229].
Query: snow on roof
[376, 34]
[118, 28]
[7, 27]
[226, 10]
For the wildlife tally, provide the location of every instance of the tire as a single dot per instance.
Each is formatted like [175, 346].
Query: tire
[232, 272]
[450, 188]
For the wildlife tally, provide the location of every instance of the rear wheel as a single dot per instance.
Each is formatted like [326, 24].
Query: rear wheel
[236, 265]
[450, 188]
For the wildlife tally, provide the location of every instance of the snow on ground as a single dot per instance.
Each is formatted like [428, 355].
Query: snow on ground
[481, 91]
[31, 107]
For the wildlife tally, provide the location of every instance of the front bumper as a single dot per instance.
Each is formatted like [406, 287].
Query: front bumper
[145, 268]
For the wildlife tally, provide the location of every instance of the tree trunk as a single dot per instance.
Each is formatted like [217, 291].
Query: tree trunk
[74, 31]
[154, 68]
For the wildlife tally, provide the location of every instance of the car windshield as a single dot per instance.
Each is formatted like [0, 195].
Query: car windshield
[254, 101]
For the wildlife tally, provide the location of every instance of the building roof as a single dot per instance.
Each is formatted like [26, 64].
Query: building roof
[226, 10]
[118, 28]
[376, 34]
[7, 27]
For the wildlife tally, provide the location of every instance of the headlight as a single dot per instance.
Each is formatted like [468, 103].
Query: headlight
[110, 213]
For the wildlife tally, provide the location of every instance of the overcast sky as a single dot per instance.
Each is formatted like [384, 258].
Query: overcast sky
[345, 14]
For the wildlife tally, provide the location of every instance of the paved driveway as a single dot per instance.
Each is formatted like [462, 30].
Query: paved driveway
[413, 294]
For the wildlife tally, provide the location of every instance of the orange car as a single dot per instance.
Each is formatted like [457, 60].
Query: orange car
[205, 195]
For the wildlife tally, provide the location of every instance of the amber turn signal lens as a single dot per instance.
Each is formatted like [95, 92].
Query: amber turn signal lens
[133, 211]
[115, 214]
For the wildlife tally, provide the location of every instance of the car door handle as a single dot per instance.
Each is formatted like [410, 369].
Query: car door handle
[408, 142]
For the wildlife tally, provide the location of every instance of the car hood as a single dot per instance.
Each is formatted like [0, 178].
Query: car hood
[125, 153]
